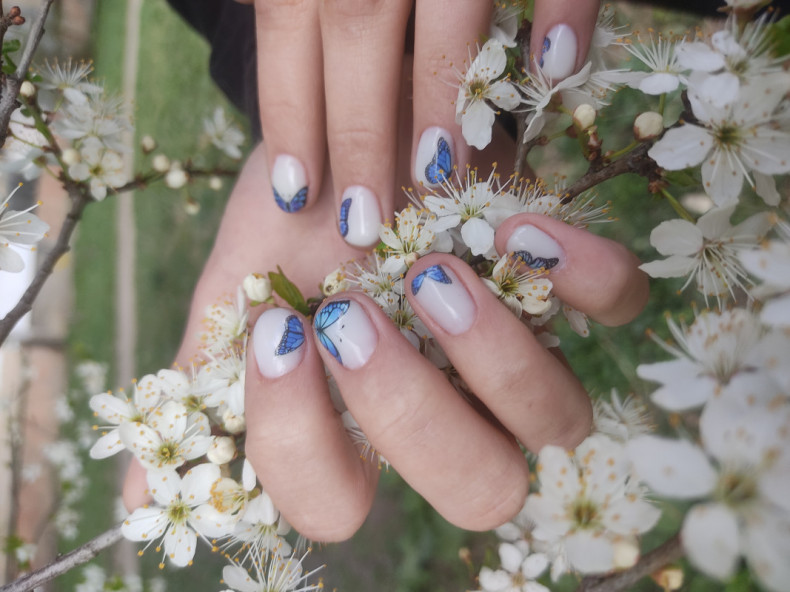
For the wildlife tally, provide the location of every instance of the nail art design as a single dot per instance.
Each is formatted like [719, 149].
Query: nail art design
[326, 317]
[344, 208]
[289, 183]
[435, 272]
[441, 164]
[535, 248]
[292, 338]
[558, 53]
[536, 262]
[278, 338]
[434, 160]
[544, 49]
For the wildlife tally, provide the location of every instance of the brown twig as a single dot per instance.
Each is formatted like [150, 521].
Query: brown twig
[670, 551]
[66, 562]
[637, 162]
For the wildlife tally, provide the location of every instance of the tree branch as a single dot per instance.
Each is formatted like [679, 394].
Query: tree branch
[66, 562]
[670, 551]
[635, 162]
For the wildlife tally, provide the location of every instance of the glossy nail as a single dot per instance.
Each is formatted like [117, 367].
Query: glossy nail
[289, 183]
[442, 295]
[278, 341]
[345, 331]
[535, 248]
[435, 157]
[360, 217]
[558, 54]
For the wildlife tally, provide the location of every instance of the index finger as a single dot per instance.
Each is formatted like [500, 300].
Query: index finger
[561, 35]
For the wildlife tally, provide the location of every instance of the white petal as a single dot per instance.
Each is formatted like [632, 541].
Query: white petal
[671, 371]
[767, 546]
[559, 477]
[196, 484]
[676, 237]
[548, 516]
[777, 312]
[211, 523]
[699, 56]
[111, 408]
[672, 468]
[248, 477]
[659, 83]
[504, 95]
[10, 260]
[715, 222]
[765, 187]
[630, 516]
[685, 395]
[768, 151]
[534, 565]
[719, 90]
[682, 147]
[589, 552]
[478, 235]
[145, 524]
[710, 538]
[180, 544]
[170, 420]
[511, 557]
[476, 124]
[109, 444]
[722, 178]
[237, 578]
[494, 581]
[165, 486]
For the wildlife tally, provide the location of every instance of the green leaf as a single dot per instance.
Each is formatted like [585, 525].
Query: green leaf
[780, 34]
[684, 178]
[288, 291]
[11, 46]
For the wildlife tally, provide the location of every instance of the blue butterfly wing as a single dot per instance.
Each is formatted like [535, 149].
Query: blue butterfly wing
[435, 272]
[536, 262]
[441, 163]
[326, 317]
[344, 208]
[292, 338]
[330, 347]
[297, 203]
[546, 47]
[416, 283]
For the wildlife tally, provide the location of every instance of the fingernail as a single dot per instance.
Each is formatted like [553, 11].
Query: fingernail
[278, 341]
[442, 295]
[289, 182]
[535, 248]
[345, 331]
[435, 157]
[360, 217]
[558, 54]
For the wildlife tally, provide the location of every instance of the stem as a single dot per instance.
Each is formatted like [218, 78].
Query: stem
[636, 162]
[670, 551]
[662, 103]
[677, 206]
[623, 151]
[66, 562]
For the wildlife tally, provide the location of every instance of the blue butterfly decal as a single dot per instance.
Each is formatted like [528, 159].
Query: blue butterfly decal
[326, 317]
[297, 203]
[441, 164]
[546, 47]
[293, 337]
[344, 208]
[435, 272]
[536, 262]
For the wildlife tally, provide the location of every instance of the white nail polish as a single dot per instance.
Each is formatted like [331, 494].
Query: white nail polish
[278, 341]
[435, 157]
[558, 55]
[345, 331]
[289, 182]
[535, 248]
[360, 217]
[442, 295]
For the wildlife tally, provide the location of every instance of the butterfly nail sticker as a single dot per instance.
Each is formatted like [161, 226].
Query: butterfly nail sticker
[297, 202]
[536, 262]
[435, 272]
[327, 317]
[546, 47]
[344, 208]
[292, 338]
[441, 164]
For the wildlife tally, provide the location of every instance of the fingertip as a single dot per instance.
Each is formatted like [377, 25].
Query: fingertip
[360, 217]
[289, 183]
[135, 488]
[561, 36]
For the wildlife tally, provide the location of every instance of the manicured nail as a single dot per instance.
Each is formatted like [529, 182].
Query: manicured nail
[535, 248]
[442, 295]
[558, 54]
[360, 217]
[345, 330]
[278, 340]
[289, 182]
[434, 161]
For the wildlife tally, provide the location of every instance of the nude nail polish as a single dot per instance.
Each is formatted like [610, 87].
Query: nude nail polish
[535, 248]
[558, 53]
[289, 183]
[360, 217]
[435, 157]
[278, 341]
[442, 295]
[345, 331]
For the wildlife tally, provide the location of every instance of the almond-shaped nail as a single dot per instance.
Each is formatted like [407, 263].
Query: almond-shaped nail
[289, 183]
[360, 217]
[278, 341]
[558, 53]
[435, 157]
[535, 248]
[345, 331]
[442, 295]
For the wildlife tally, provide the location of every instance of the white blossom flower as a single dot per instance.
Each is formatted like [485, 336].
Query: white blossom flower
[223, 134]
[261, 529]
[505, 21]
[100, 166]
[369, 276]
[708, 250]
[588, 503]
[521, 288]
[771, 264]
[279, 574]
[659, 55]
[225, 322]
[410, 238]
[482, 84]
[621, 419]
[103, 118]
[360, 440]
[23, 151]
[70, 79]
[257, 287]
[181, 513]
[520, 569]
[221, 378]
[17, 228]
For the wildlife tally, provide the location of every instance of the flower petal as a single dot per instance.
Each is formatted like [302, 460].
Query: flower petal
[710, 538]
[672, 468]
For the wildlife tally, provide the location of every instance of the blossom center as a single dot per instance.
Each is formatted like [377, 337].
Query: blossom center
[168, 452]
[178, 512]
[736, 488]
[584, 513]
[728, 136]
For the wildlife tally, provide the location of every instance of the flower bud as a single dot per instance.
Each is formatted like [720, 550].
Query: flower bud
[648, 125]
[191, 206]
[222, 450]
[14, 12]
[148, 144]
[233, 424]
[18, 21]
[215, 183]
[335, 282]
[669, 578]
[410, 259]
[626, 554]
[257, 287]
[160, 163]
[70, 156]
[176, 177]
[27, 89]
[584, 116]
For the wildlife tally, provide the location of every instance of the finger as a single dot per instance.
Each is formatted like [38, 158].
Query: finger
[534, 396]
[291, 90]
[295, 439]
[593, 274]
[443, 34]
[135, 487]
[363, 51]
[415, 418]
[561, 34]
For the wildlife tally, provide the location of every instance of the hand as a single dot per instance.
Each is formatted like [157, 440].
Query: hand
[329, 74]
